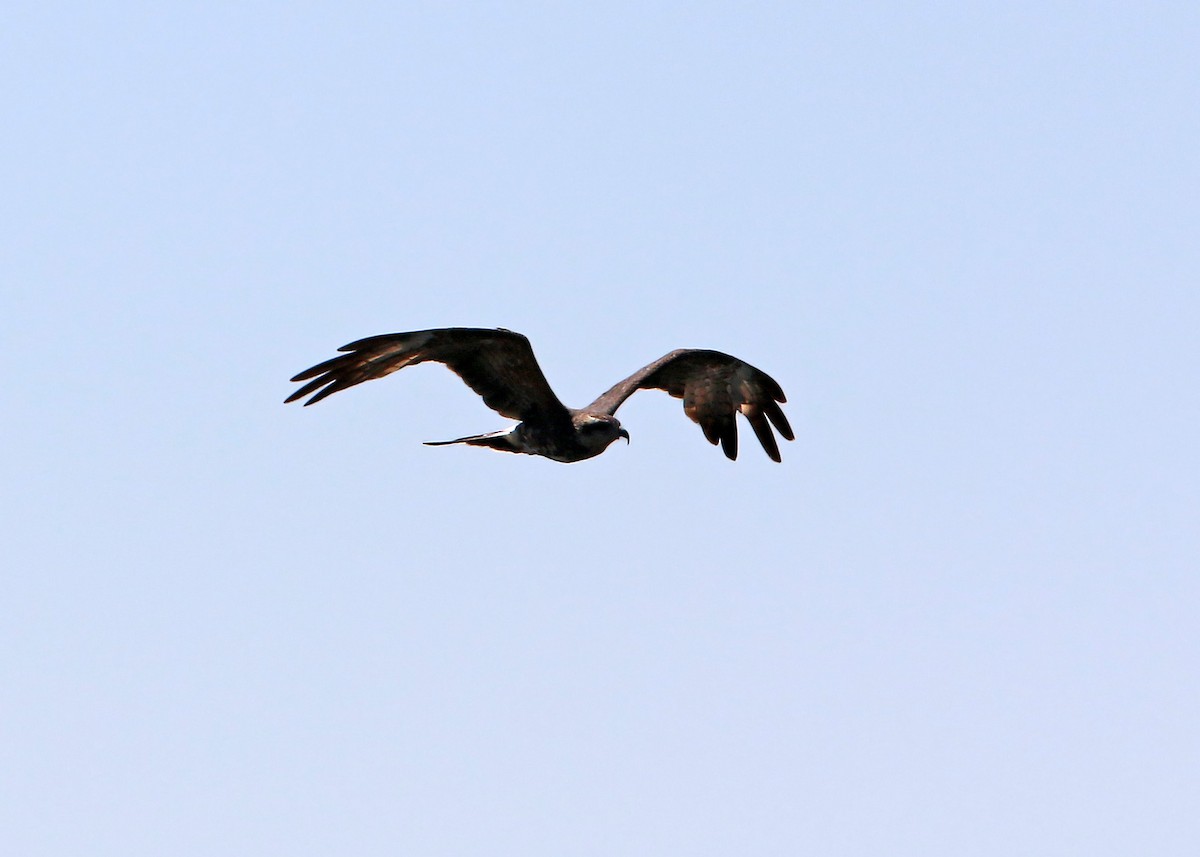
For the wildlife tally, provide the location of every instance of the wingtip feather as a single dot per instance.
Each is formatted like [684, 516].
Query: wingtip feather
[762, 431]
[778, 419]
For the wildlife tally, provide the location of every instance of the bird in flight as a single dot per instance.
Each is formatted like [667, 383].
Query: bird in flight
[499, 365]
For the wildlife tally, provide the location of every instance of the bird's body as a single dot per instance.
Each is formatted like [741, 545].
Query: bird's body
[586, 439]
[499, 365]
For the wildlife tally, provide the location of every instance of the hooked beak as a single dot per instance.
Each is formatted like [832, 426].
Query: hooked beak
[624, 434]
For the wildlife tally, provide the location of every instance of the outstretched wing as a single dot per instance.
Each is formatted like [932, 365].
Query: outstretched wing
[497, 364]
[714, 387]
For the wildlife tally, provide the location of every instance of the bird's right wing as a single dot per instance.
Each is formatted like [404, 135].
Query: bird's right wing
[497, 364]
[714, 388]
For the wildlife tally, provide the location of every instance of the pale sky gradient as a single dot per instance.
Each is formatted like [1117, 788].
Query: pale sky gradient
[961, 618]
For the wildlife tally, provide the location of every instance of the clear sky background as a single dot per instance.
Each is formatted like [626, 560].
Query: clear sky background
[959, 619]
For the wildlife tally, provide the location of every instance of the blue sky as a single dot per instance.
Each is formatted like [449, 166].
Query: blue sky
[960, 618]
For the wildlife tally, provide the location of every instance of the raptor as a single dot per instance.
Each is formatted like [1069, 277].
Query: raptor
[499, 365]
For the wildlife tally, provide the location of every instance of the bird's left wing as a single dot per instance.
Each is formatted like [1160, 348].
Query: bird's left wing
[714, 387]
[497, 364]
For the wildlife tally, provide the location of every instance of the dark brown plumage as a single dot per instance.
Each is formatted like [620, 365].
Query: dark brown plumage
[499, 365]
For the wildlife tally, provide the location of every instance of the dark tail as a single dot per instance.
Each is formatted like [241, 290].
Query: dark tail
[499, 440]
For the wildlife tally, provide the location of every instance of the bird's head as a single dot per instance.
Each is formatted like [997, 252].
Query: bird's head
[597, 431]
